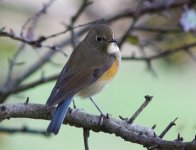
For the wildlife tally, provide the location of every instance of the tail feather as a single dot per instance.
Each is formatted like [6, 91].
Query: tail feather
[58, 116]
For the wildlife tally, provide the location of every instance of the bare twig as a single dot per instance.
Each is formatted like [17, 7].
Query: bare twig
[158, 29]
[34, 67]
[6, 90]
[86, 135]
[124, 14]
[34, 83]
[135, 18]
[171, 124]
[27, 101]
[29, 36]
[146, 102]
[35, 19]
[17, 38]
[127, 32]
[44, 59]
[148, 10]
[154, 126]
[22, 130]
[179, 138]
[168, 128]
[150, 68]
[82, 119]
[12, 63]
[80, 10]
[163, 54]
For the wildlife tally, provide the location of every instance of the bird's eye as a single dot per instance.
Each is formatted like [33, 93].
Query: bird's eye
[100, 39]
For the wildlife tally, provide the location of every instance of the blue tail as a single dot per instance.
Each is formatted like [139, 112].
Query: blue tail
[58, 116]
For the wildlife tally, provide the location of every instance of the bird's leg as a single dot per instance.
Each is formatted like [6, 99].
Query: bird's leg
[74, 107]
[102, 114]
[96, 106]
[74, 104]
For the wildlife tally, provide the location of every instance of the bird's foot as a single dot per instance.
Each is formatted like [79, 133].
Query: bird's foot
[72, 110]
[102, 117]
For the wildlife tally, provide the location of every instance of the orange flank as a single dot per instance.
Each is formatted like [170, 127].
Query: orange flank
[109, 74]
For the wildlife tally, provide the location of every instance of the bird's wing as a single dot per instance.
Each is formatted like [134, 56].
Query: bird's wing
[71, 81]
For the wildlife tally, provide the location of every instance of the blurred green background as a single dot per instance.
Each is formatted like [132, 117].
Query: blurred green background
[173, 89]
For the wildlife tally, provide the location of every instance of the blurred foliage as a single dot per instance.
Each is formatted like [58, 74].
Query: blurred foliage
[133, 40]
[188, 20]
[155, 42]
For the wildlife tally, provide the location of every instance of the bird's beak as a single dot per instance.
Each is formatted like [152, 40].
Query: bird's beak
[112, 41]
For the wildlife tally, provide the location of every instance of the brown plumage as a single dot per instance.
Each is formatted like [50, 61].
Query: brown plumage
[93, 63]
[88, 58]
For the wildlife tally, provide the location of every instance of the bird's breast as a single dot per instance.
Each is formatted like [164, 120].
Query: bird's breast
[110, 73]
[98, 85]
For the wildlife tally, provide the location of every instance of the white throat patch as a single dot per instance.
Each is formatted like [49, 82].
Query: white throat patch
[113, 48]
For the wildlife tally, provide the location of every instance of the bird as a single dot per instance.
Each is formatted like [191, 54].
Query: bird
[92, 64]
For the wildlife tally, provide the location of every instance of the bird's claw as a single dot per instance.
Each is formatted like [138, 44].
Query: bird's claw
[101, 117]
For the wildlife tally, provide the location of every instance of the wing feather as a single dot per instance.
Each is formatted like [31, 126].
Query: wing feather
[71, 81]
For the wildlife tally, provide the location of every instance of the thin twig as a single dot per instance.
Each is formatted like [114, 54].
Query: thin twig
[12, 63]
[146, 102]
[6, 90]
[148, 10]
[22, 130]
[38, 42]
[135, 18]
[164, 133]
[27, 101]
[161, 30]
[127, 32]
[163, 54]
[34, 83]
[154, 126]
[150, 68]
[179, 138]
[32, 21]
[86, 135]
[80, 11]
[124, 14]
[31, 24]
[168, 128]
[35, 19]
[83, 6]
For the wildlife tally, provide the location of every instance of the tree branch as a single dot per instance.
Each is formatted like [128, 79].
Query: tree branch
[86, 134]
[124, 14]
[158, 29]
[148, 10]
[140, 109]
[22, 130]
[129, 132]
[163, 54]
[34, 83]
